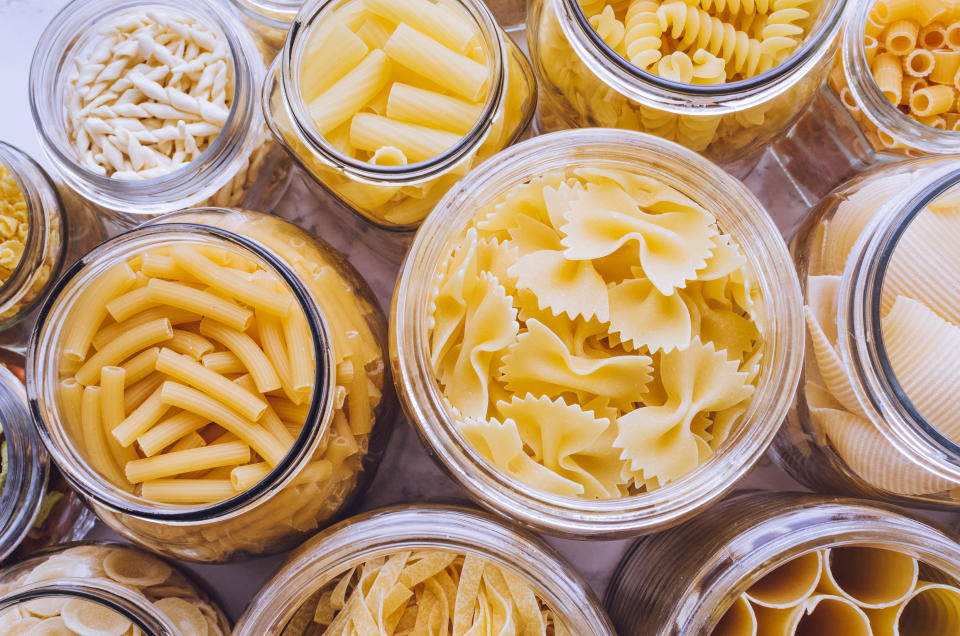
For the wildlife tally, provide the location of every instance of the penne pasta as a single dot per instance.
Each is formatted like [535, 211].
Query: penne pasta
[185, 461]
[204, 303]
[187, 491]
[126, 345]
[248, 352]
[191, 372]
[426, 56]
[344, 99]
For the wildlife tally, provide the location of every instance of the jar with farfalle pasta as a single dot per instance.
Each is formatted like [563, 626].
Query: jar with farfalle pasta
[105, 589]
[876, 413]
[721, 77]
[425, 569]
[795, 565]
[597, 333]
[388, 104]
[213, 383]
[145, 108]
[893, 93]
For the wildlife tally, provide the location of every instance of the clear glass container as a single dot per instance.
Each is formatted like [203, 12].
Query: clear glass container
[241, 167]
[37, 509]
[583, 83]
[281, 510]
[682, 581]
[889, 451]
[737, 212]
[269, 21]
[421, 527]
[398, 197]
[851, 125]
[53, 592]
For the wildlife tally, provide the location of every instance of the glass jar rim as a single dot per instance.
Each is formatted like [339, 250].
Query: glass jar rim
[652, 90]
[187, 185]
[646, 512]
[423, 526]
[810, 523]
[873, 103]
[860, 333]
[27, 468]
[275, 13]
[286, 69]
[38, 219]
[42, 362]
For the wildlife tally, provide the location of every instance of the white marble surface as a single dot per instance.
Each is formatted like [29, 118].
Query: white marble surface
[407, 474]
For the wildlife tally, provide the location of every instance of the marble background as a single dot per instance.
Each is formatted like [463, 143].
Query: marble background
[407, 474]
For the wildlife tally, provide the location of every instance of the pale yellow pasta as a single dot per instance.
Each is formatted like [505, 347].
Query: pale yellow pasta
[889, 75]
[224, 363]
[190, 372]
[179, 462]
[900, 37]
[429, 58]
[94, 436]
[372, 132]
[80, 332]
[317, 78]
[180, 296]
[250, 355]
[440, 21]
[14, 224]
[579, 362]
[188, 491]
[126, 345]
[175, 316]
[170, 431]
[431, 109]
[344, 99]
[789, 584]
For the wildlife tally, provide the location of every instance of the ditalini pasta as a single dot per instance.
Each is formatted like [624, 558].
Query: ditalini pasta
[151, 581]
[920, 321]
[426, 592]
[852, 590]
[595, 333]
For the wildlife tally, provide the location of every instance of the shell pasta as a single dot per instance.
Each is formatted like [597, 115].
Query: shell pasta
[595, 333]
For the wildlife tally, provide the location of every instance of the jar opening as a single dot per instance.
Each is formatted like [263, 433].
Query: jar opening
[312, 17]
[624, 76]
[275, 13]
[74, 32]
[45, 358]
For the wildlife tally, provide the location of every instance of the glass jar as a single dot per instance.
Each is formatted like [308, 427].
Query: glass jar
[269, 20]
[851, 124]
[889, 451]
[737, 212]
[289, 504]
[682, 581]
[423, 527]
[242, 166]
[583, 83]
[64, 587]
[398, 197]
[37, 509]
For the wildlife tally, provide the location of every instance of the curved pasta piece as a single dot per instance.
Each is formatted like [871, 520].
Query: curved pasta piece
[674, 241]
[725, 328]
[657, 440]
[558, 199]
[489, 327]
[926, 263]
[501, 445]
[574, 332]
[496, 257]
[644, 317]
[872, 457]
[832, 370]
[539, 363]
[923, 350]
[524, 200]
[448, 307]
[564, 286]
[532, 235]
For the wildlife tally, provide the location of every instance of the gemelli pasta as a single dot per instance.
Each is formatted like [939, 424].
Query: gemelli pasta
[595, 333]
[428, 592]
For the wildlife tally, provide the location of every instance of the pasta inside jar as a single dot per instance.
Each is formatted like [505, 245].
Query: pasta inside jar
[84, 589]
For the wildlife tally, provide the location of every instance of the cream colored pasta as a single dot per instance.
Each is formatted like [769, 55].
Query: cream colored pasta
[14, 224]
[851, 590]
[595, 333]
[921, 327]
[428, 592]
[157, 584]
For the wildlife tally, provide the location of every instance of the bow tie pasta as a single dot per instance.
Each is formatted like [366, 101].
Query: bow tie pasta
[595, 333]
[426, 592]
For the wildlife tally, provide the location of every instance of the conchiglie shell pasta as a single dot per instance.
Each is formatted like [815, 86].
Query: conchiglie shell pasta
[832, 369]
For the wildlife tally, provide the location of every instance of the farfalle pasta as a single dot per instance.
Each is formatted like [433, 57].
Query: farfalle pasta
[426, 592]
[920, 321]
[595, 333]
[855, 590]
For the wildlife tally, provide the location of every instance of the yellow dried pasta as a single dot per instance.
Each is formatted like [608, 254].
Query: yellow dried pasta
[14, 224]
[595, 334]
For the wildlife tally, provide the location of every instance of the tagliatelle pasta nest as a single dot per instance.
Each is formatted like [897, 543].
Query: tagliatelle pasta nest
[595, 333]
[426, 592]
[851, 590]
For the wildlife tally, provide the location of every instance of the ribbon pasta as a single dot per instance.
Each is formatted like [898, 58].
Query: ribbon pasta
[595, 333]
[426, 592]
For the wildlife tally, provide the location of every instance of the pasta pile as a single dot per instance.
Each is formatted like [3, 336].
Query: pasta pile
[914, 52]
[426, 592]
[595, 333]
[160, 585]
[201, 361]
[394, 83]
[14, 224]
[921, 333]
[150, 94]
[701, 41]
[851, 590]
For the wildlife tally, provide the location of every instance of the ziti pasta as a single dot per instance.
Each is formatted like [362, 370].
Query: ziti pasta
[188, 371]
[401, 98]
